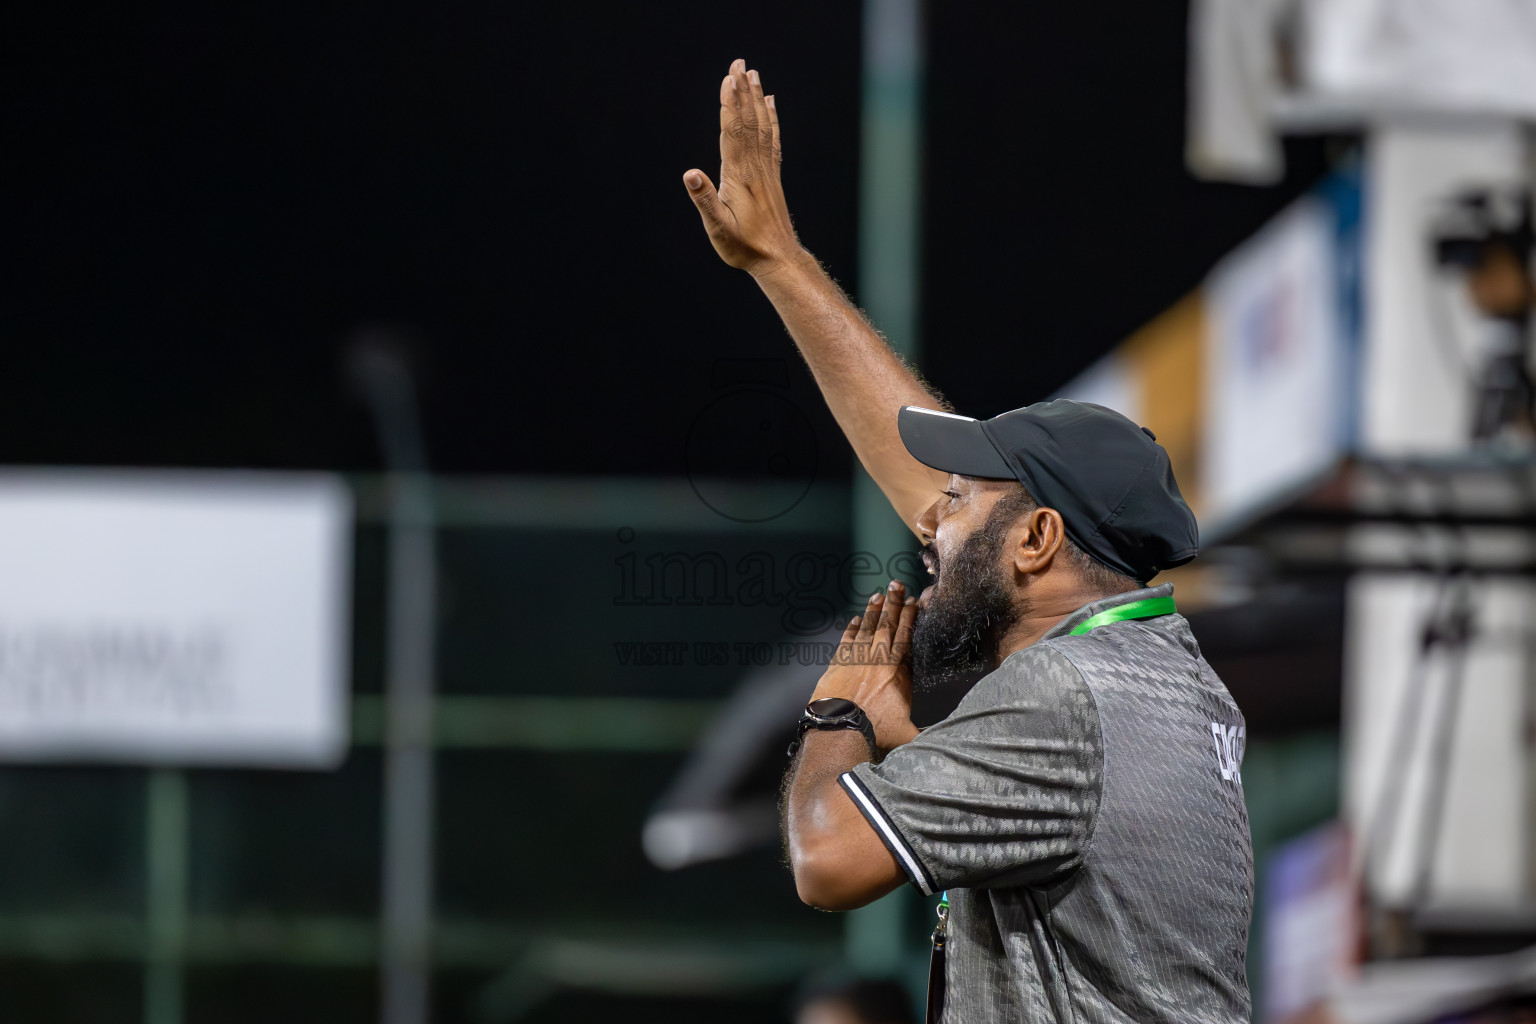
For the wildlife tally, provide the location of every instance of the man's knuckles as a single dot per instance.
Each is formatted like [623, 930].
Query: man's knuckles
[742, 126]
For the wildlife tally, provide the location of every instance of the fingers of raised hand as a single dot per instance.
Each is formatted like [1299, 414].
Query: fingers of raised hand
[773, 123]
[746, 107]
[736, 105]
[760, 113]
[731, 125]
[739, 143]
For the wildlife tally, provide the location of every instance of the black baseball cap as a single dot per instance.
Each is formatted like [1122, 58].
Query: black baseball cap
[1110, 479]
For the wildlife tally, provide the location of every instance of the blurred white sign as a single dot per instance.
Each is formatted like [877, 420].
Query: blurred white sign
[174, 617]
[1109, 383]
[1470, 56]
[1275, 364]
[1258, 67]
[1311, 931]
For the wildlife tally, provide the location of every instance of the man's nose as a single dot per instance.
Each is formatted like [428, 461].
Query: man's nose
[928, 523]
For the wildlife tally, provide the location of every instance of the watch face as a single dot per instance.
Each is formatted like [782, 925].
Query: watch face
[831, 707]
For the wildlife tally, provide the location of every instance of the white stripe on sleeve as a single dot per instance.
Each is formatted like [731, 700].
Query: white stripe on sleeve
[887, 832]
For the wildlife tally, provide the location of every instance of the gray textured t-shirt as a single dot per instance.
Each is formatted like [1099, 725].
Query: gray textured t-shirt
[1084, 808]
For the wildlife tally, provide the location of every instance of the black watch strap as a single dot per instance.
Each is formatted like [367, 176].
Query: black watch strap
[835, 713]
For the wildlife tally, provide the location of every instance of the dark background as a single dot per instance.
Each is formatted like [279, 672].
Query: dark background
[208, 204]
[207, 201]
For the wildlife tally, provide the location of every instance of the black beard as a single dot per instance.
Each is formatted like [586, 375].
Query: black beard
[955, 640]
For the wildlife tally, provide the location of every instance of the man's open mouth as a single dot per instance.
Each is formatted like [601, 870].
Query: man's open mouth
[931, 563]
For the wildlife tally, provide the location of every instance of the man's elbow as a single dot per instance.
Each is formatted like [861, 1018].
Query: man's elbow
[826, 883]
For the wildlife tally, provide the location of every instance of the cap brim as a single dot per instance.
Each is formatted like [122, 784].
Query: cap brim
[950, 443]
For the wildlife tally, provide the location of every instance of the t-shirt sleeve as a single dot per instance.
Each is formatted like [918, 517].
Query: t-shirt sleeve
[1002, 792]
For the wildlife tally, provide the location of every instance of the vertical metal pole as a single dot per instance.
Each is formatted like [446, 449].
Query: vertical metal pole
[408, 776]
[165, 800]
[890, 169]
[881, 936]
[1459, 630]
[408, 771]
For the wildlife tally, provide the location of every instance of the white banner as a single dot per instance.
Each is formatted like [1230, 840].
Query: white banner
[174, 617]
[1275, 388]
[1467, 56]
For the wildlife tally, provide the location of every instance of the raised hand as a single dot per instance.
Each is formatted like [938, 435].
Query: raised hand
[747, 219]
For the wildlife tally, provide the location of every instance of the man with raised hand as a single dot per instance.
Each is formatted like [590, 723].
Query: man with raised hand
[1082, 808]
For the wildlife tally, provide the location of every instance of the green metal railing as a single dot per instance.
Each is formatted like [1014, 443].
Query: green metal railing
[167, 938]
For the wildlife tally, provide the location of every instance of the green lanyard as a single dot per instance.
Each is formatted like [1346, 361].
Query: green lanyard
[1146, 608]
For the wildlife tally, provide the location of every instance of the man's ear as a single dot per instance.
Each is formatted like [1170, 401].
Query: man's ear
[1039, 540]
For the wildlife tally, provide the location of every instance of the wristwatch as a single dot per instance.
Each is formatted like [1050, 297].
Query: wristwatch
[835, 713]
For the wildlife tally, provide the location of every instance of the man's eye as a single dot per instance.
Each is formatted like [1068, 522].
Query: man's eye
[952, 495]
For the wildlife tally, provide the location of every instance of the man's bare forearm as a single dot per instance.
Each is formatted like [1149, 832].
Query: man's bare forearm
[838, 861]
[862, 380]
